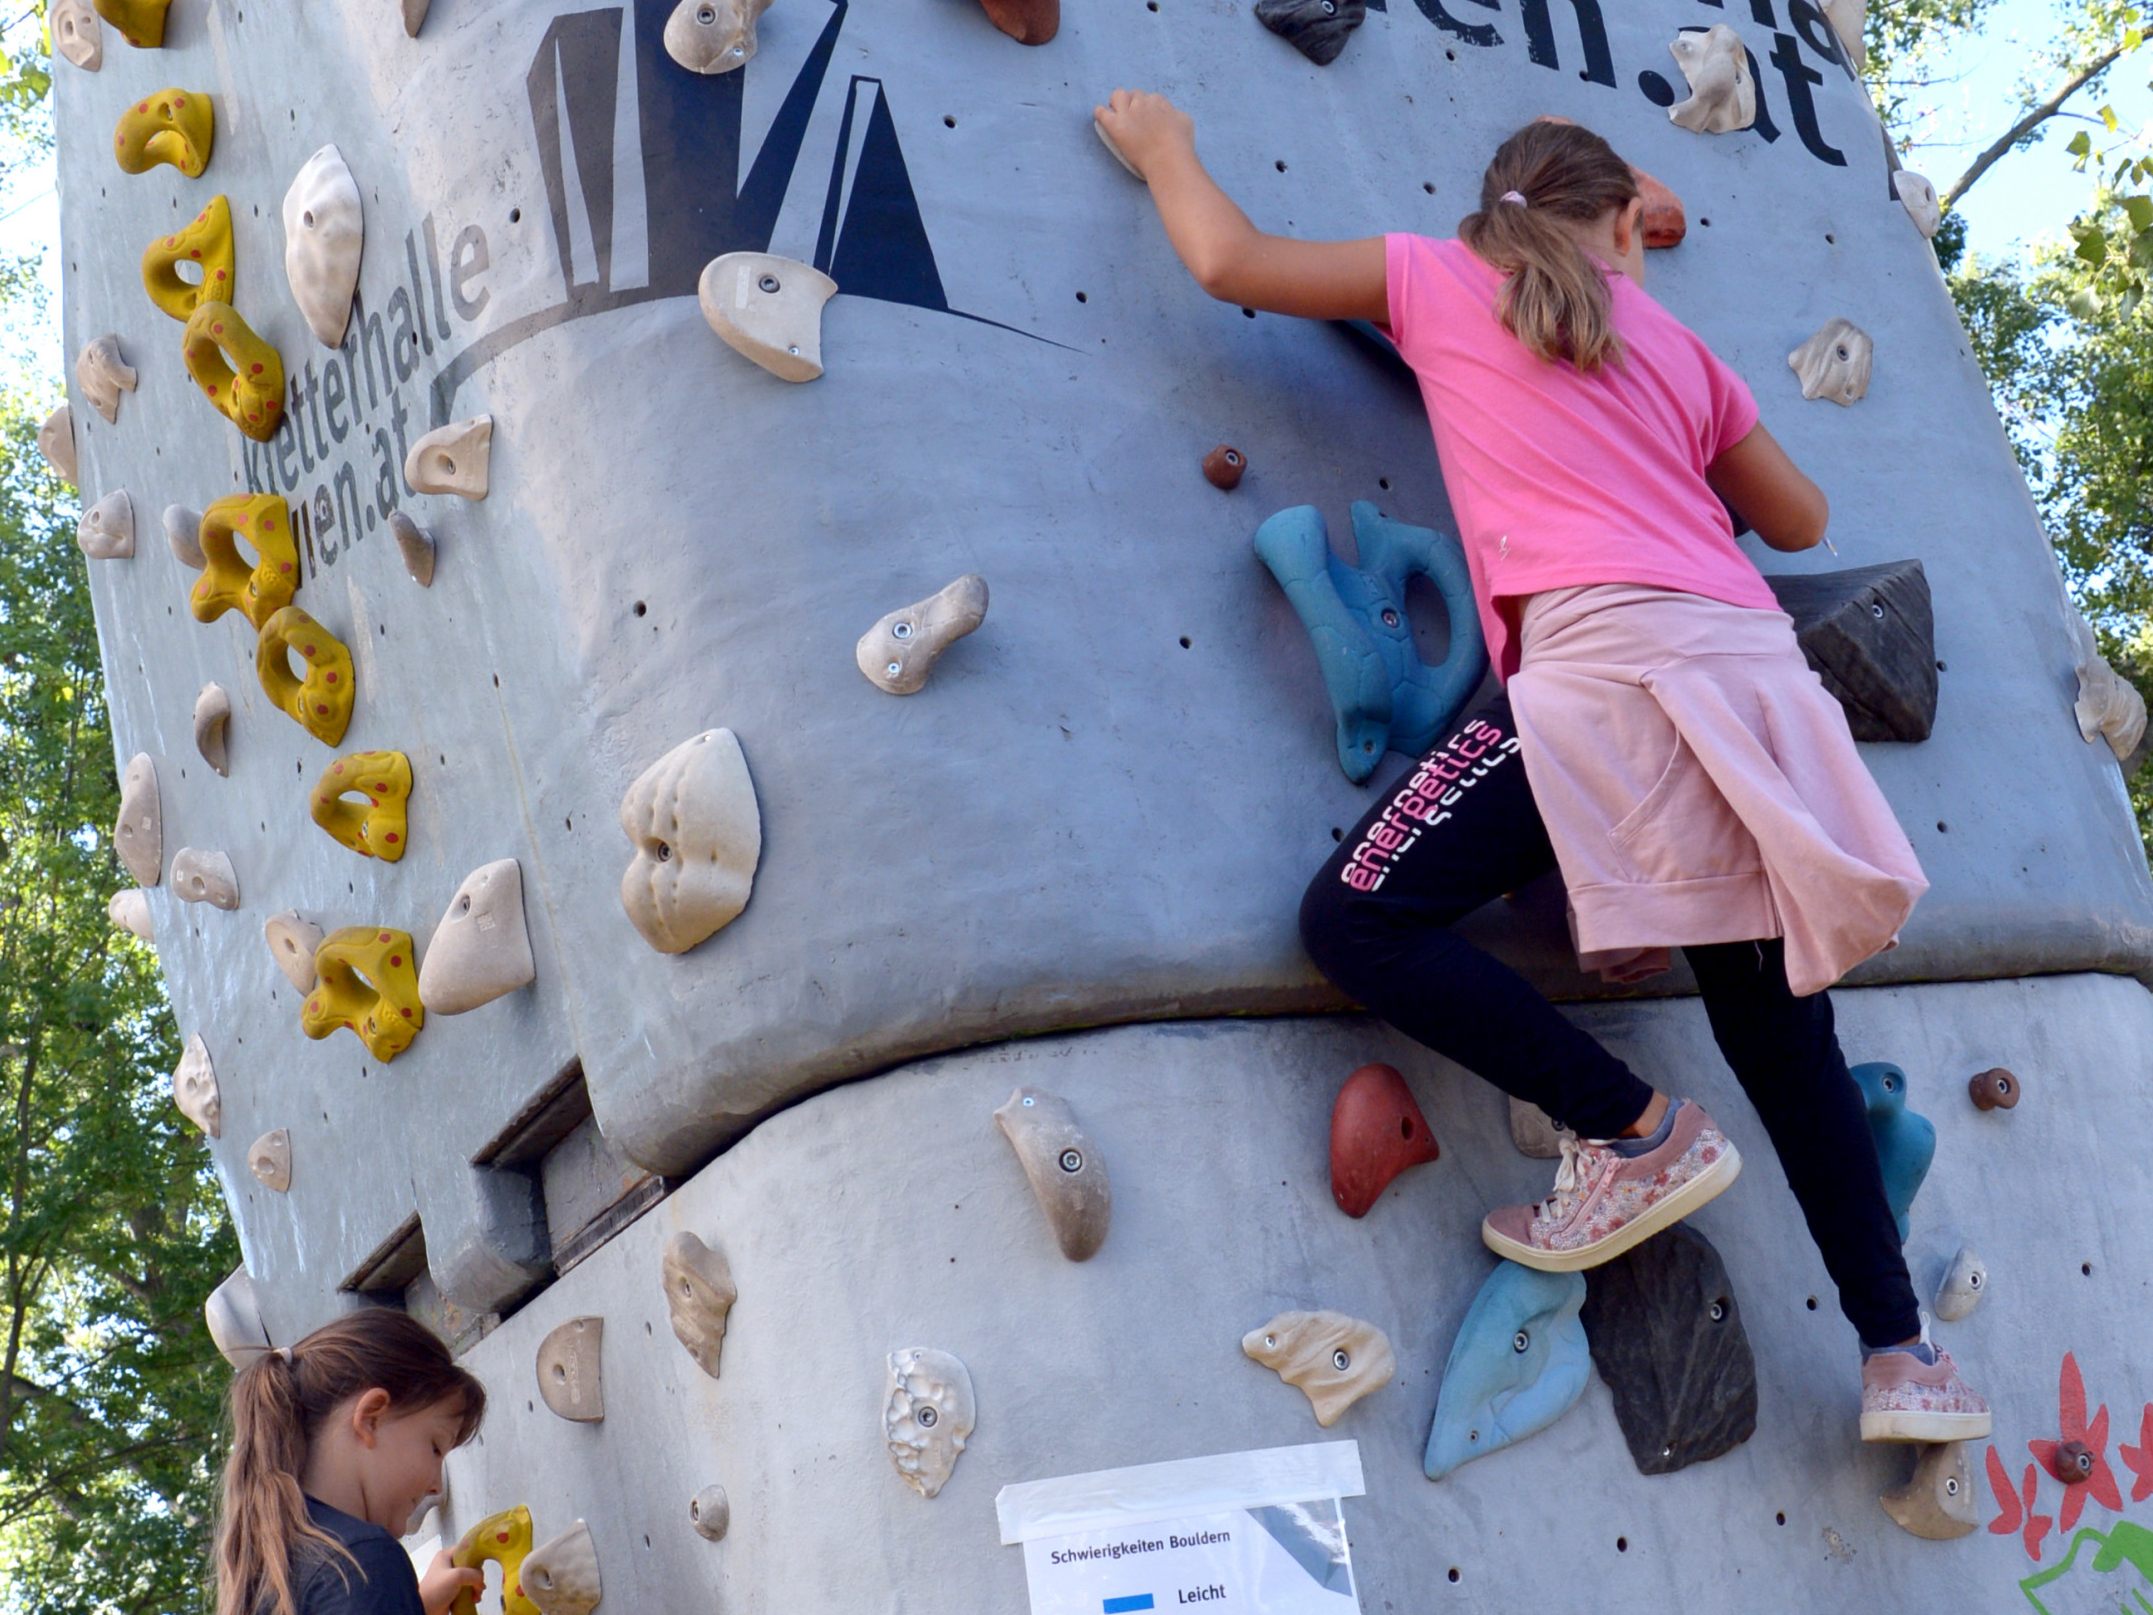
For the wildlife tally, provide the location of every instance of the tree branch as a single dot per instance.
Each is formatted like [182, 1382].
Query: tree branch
[2034, 118]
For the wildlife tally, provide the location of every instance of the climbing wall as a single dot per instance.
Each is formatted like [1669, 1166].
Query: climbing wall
[640, 654]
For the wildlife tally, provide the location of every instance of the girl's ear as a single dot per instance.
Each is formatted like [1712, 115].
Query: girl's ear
[1628, 222]
[367, 1412]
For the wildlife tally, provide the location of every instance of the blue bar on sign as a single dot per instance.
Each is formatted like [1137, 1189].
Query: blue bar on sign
[1120, 1606]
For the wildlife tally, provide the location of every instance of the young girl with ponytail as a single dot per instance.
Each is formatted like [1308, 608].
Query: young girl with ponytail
[334, 1443]
[1657, 737]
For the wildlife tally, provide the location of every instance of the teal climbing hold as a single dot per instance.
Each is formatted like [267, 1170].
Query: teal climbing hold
[1384, 697]
[1519, 1363]
[1905, 1140]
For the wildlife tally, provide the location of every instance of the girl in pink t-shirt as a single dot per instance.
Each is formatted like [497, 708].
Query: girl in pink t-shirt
[1658, 736]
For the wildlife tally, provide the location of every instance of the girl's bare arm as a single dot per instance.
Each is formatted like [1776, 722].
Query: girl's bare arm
[1784, 507]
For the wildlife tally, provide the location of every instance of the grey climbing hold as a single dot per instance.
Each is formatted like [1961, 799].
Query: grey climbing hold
[103, 373]
[456, 458]
[699, 1297]
[927, 1416]
[1937, 1500]
[1869, 633]
[1534, 1131]
[711, 1513]
[1666, 1335]
[183, 531]
[1964, 1283]
[569, 1363]
[1328, 1357]
[56, 442]
[1836, 362]
[234, 1318]
[212, 720]
[1723, 97]
[1065, 1169]
[900, 651]
[698, 836]
[292, 939]
[416, 545]
[205, 877]
[561, 1576]
[138, 833]
[194, 1087]
[713, 36]
[1318, 29]
[324, 233]
[269, 1158]
[768, 309]
[481, 950]
[107, 529]
[129, 909]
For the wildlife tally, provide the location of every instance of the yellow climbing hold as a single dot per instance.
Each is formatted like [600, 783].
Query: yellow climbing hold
[140, 22]
[207, 243]
[377, 829]
[320, 703]
[238, 370]
[366, 983]
[258, 590]
[173, 126]
[504, 1538]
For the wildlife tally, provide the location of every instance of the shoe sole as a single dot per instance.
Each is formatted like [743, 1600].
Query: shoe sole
[1925, 1427]
[1707, 1185]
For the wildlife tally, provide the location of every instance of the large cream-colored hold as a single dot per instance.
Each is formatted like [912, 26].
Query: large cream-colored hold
[569, 1378]
[481, 950]
[1534, 1131]
[103, 373]
[194, 1087]
[292, 939]
[699, 1297]
[1964, 1283]
[1723, 97]
[710, 1511]
[234, 1318]
[900, 651]
[1065, 1169]
[1835, 363]
[200, 876]
[269, 1158]
[76, 33]
[1850, 21]
[416, 545]
[713, 36]
[2109, 706]
[324, 230]
[456, 458]
[1937, 1501]
[698, 836]
[927, 1416]
[138, 833]
[107, 529]
[1330, 1358]
[1918, 197]
[183, 532]
[56, 442]
[129, 909]
[212, 721]
[769, 309]
[561, 1576]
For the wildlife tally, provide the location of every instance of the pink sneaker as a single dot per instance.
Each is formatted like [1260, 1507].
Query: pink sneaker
[1906, 1399]
[1604, 1202]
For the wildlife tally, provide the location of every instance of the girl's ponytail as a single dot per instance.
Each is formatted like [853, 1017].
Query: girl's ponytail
[1553, 298]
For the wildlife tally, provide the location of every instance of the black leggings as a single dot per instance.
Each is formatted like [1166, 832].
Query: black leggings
[1462, 829]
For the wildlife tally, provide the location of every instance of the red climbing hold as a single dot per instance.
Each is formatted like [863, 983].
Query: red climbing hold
[1377, 1131]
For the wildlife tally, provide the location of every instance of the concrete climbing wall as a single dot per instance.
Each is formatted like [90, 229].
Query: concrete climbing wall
[1101, 810]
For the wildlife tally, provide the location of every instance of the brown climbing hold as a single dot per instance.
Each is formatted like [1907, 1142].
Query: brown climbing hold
[1993, 1089]
[1377, 1131]
[2072, 1463]
[1028, 22]
[1065, 1169]
[1223, 467]
[1937, 1500]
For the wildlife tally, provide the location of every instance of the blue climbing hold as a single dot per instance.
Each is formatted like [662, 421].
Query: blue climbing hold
[1519, 1363]
[1905, 1141]
[1385, 698]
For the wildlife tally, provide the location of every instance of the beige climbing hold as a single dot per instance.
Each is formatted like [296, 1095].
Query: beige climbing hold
[768, 309]
[1723, 97]
[1918, 197]
[1534, 1131]
[900, 651]
[205, 877]
[569, 1381]
[107, 529]
[1835, 363]
[927, 1416]
[194, 1087]
[2108, 706]
[481, 950]
[1850, 21]
[698, 836]
[212, 718]
[183, 532]
[138, 833]
[713, 36]
[103, 373]
[292, 939]
[324, 230]
[710, 1511]
[130, 911]
[234, 1318]
[56, 442]
[1330, 1358]
[1964, 1283]
[455, 458]
[1937, 1500]
[561, 1576]
[415, 15]
[1066, 1171]
[416, 546]
[269, 1158]
[76, 33]
[699, 1297]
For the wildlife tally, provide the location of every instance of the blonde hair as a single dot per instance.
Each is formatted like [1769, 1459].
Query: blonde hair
[278, 1403]
[1553, 298]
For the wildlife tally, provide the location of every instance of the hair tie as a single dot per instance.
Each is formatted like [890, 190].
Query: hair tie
[284, 1352]
[1514, 196]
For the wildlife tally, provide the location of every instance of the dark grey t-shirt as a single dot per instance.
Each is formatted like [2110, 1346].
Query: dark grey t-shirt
[383, 1584]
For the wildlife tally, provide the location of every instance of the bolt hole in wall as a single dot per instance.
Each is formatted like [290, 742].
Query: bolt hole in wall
[2086, 1268]
[1780, 1517]
[1453, 1573]
[641, 608]
[948, 122]
[1622, 1544]
[1811, 1303]
[1184, 641]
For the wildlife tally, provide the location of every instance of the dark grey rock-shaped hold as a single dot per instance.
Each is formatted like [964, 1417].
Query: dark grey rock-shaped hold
[1315, 28]
[1667, 1337]
[1869, 632]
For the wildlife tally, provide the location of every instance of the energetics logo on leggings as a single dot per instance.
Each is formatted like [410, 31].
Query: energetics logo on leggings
[1422, 802]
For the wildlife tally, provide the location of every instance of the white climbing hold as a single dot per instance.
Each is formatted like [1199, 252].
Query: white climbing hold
[561, 1576]
[269, 1158]
[481, 950]
[1850, 21]
[107, 529]
[768, 309]
[2109, 706]
[713, 36]
[212, 718]
[455, 458]
[138, 833]
[103, 373]
[183, 531]
[415, 15]
[56, 442]
[710, 1511]
[234, 1317]
[569, 1377]
[76, 33]
[1723, 97]
[194, 1087]
[1107, 141]
[205, 877]
[1328, 1357]
[292, 939]
[1534, 1131]
[927, 1416]
[1918, 197]
[900, 651]
[699, 1297]
[130, 911]
[416, 545]
[1965, 1282]
[324, 231]
[1835, 363]
[698, 837]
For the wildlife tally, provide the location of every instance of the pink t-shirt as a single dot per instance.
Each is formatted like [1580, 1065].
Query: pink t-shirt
[1557, 478]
